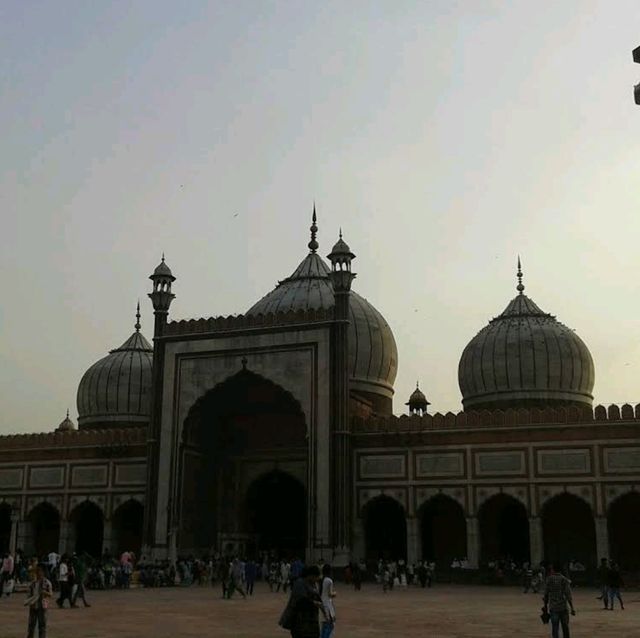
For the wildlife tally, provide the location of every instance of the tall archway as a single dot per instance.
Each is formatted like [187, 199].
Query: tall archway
[504, 529]
[244, 420]
[385, 528]
[276, 517]
[624, 531]
[444, 530]
[126, 526]
[88, 527]
[5, 527]
[45, 524]
[569, 530]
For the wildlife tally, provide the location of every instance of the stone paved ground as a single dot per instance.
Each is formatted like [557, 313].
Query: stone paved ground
[443, 612]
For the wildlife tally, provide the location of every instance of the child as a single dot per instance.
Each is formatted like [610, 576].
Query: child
[39, 592]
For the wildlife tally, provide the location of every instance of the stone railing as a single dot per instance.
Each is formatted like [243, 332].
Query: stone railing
[497, 418]
[244, 322]
[74, 438]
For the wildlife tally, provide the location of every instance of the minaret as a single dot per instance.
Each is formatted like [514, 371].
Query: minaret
[161, 298]
[341, 278]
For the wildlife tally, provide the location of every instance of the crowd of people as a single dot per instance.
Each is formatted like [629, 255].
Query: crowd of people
[65, 579]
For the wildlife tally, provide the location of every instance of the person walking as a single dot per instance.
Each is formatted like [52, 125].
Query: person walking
[557, 595]
[80, 568]
[327, 594]
[64, 577]
[301, 614]
[40, 591]
[603, 576]
[614, 582]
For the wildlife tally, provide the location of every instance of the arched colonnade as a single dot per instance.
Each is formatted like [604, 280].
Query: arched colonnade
[84, 530]
[501, 528]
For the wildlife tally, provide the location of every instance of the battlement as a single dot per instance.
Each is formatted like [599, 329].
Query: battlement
[76, 438]
[497, 419]
[244, 322]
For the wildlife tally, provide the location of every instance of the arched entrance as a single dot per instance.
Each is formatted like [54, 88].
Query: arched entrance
[624, 531]
[5, 527]
[569, 530]
[88, 528]
[385, 529]
[231, 431]
[276, 515]
[45, 525]
[444, 530]
[126, 526]
[504, 530]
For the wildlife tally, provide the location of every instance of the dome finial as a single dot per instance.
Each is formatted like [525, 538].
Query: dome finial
[520, 286]
[313, 244]
[137, 324]
[67, 413]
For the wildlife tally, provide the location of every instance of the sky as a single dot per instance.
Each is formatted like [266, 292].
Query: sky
[445, 138]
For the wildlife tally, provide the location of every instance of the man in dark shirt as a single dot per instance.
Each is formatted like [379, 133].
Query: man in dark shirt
[557, 595]
[614, 582]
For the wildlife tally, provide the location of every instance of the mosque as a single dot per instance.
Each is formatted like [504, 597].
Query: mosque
[274, 430]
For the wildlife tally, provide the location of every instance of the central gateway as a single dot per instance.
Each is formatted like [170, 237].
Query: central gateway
[250, 428]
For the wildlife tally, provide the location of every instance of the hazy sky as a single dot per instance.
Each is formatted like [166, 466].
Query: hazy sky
[444, 137]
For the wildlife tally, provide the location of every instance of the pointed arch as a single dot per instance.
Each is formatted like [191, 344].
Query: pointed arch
[443, 527]
[385, 528]
[568, 529]
[504, 529]
[87, 521]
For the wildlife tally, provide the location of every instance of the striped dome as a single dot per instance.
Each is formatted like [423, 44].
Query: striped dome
[373, 355]
[525, 357]
[116, 390]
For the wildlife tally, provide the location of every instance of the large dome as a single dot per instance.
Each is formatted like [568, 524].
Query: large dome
[373, 355]
[116, 390]
[524, 358]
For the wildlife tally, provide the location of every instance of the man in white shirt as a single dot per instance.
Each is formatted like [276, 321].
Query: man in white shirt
[327, 594]
[63, 580]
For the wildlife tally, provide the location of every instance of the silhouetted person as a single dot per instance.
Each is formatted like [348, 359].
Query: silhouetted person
[557, 595]
[614, 582]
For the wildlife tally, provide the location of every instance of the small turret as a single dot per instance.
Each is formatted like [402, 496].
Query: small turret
[417, 402]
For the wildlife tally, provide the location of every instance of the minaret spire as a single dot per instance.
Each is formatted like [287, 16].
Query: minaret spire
[137, 324]
[313, 244]
[520, 286]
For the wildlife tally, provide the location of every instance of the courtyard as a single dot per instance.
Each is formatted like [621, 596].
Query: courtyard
[441, 612]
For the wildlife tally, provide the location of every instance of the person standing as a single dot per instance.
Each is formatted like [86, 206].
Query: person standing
[250, 573]
[557, 595]
[614, 582]
[6, 573]
[327, 594]
[40, 591]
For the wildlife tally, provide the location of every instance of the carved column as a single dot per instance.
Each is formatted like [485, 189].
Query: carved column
[107, 537]
[602, 538]
[13, 538]
[65, 541]
[413, 540]
[359, 548]
[25, 536]
[536, 549]
[473, 542]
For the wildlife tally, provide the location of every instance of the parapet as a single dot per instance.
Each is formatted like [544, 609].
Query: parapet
[245, 322]
[75, 438]
[497, 418]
